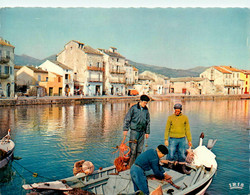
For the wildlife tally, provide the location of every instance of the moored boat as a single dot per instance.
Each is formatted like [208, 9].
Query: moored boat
[7, 147]
[108, 181]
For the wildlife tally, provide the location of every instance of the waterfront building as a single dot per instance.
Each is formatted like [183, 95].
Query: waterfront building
[245, 76]
[87, 65]
[135, 74]
[191, 86]
[157, 86]
[28, 79]
[225, 79]
[129, 75]
[144, 85]
[59, 71]
[114, 79]
[7, 78]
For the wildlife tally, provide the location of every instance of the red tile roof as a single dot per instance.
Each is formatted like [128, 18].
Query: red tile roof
[2, 42]
[231, 68]
[222, 70]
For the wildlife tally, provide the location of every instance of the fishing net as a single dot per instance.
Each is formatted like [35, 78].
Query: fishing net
[122, 162]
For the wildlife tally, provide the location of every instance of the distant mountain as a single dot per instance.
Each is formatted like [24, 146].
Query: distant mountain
[169, 72]
[23, 60]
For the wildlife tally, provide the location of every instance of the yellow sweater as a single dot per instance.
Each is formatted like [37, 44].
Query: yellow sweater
[177, 127]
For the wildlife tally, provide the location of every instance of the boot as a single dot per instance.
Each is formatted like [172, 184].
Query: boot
[183, 167]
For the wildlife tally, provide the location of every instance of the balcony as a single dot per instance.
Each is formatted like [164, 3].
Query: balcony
[97, 80]
[118, 80]
[95, 68]
[4, 76]
[4, 60]
[119, 71]
[232, 85]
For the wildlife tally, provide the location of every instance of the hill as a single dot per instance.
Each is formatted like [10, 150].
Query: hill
[23, 60]
[169, 72]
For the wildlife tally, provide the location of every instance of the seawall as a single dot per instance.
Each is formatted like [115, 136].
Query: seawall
[82, 100]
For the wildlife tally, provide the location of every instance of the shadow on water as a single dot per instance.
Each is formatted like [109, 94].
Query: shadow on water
[6, 174]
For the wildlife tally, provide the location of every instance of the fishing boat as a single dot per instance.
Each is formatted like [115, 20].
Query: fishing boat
[6, 150]
[108, 181]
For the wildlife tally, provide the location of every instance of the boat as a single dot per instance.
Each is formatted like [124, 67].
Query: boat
[7, 147]
[108, 181]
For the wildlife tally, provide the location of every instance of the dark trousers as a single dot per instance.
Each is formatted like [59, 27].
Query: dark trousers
[136, 145]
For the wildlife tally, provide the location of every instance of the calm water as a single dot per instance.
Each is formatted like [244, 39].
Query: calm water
[51, 138]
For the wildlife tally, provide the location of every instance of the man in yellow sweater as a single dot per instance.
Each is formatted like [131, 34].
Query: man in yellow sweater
[176, 132]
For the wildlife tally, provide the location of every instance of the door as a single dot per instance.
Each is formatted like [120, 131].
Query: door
[51, 91]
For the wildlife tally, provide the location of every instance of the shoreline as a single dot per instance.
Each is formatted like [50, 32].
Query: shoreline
[81, 100]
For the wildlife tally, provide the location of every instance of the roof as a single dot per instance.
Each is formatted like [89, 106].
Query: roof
[37, 70]
[63, 66]
[113, 54]
[5, 43]
[135, 69]
[246, 72]
[186, 79]
[17, 67]
[231, 68]
[142, 77]
[222, 70]
[90, 50]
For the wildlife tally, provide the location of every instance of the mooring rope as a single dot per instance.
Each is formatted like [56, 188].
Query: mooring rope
[34, 174]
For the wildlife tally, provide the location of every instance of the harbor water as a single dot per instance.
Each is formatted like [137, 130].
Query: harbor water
[51, 138]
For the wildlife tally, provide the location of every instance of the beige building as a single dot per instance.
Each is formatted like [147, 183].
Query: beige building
[158, 84]
[7, 78]
[144, 85]
[87, 65]
[190, 86]
[114, 79]
[226, 79]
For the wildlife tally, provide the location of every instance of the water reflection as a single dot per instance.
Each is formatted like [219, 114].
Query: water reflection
[50, 138]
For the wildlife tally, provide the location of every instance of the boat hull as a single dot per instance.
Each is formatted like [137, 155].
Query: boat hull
[9, 148]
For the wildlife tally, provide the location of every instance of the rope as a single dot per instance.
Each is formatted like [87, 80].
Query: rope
[33, 173]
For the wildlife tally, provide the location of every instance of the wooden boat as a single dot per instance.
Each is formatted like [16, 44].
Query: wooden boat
[6, 150]
[108, 182]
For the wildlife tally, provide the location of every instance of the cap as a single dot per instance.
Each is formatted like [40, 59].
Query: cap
[144, 98]
[178, 106]
[163, 149]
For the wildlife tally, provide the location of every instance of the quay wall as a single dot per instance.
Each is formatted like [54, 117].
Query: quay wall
[82, 100]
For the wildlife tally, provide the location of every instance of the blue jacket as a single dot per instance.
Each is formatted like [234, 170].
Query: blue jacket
[149, 160]
[137, 119]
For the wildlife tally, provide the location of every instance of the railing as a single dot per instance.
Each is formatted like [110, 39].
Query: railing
[4, 76]
[4, 60]
[118, 80]
[115, 71]
[95, 68]
[95, 80]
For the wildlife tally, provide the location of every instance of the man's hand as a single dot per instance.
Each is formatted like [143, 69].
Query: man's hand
[125, 133]
[166, 142]
[146, 135]
[190, 144]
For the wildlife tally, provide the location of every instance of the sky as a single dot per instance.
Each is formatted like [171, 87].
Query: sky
[179, 38]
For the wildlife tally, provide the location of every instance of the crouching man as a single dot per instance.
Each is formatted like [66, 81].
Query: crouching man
[146, 161]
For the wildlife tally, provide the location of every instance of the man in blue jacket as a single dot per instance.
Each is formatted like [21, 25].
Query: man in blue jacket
[138, 121]
[146, 161]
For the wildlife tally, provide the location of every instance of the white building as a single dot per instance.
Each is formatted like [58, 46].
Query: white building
[64, 71]
[114, 79]
[7, 78]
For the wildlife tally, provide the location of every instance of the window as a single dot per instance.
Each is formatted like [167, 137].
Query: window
[59, 79]
[117, 59]
[66, 76]
[47, 78]
[10, 70]
[6, 69]
[8, 55]
[39, 78]
[98, 64]
[0, 53]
